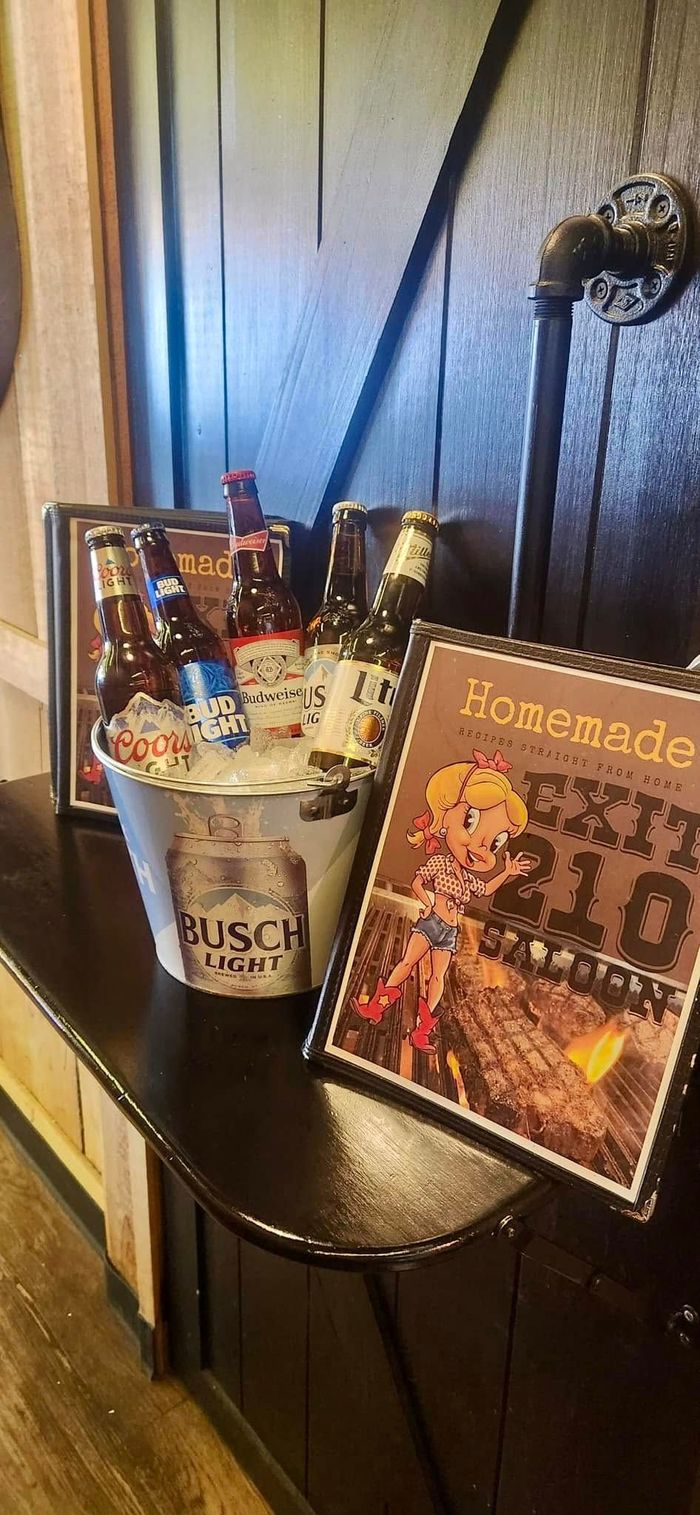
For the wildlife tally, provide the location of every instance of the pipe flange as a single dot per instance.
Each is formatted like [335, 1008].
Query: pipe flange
[656, 207]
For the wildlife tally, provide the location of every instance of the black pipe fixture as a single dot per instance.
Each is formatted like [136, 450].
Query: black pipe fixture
[627, 261]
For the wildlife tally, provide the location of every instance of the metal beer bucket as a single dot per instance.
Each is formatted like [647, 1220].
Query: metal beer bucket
[242, 884]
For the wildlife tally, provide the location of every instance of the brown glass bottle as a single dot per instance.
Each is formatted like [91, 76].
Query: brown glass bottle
[342, 609]
[136, 687]
[361, 696]
[208, 688]
[266, 635]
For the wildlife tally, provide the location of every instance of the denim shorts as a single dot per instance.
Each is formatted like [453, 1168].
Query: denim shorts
[437, 932]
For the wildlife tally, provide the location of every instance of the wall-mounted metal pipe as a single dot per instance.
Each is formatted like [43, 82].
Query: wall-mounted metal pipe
[627, 257]
[549, 362]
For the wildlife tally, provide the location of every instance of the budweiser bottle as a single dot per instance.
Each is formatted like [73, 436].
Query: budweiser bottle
[136, 686]
[208, 688]
[357, 711]
[343, 608]
[265, 629]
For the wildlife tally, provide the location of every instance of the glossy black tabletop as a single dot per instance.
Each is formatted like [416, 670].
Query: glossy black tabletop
[270, 1146]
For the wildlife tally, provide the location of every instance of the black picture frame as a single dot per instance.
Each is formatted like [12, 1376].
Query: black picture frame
[335, 1034]
[72, 709]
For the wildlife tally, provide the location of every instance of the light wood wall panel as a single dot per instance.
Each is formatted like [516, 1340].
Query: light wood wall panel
[132, 1209]
[56, 431]
[22, 747]
[30, 1048]
[58, 371]
[61, 437]
[17, 606]
[91, 1117]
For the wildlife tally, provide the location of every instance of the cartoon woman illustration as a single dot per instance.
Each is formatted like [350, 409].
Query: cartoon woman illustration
[475, 810]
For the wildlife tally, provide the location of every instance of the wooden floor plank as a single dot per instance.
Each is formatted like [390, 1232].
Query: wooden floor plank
[82, 1431]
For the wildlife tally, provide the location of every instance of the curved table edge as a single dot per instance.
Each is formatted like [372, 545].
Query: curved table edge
[295, 1248]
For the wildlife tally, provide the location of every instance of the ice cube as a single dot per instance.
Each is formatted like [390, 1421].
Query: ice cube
[279, 761]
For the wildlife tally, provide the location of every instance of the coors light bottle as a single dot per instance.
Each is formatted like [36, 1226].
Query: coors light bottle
[136, 687]
[266, 635]
[359, 705]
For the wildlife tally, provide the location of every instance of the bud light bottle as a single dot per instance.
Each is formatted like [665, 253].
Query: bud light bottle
[208, 688]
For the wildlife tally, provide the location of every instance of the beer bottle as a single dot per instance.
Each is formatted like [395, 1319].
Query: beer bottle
[208, 688]
[136, 687]
[359, 704]
[266, 635]
[342, 609]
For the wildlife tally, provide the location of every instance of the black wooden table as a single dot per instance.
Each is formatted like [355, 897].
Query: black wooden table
[275, 1150]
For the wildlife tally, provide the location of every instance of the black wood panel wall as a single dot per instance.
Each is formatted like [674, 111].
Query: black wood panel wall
[248, 132]
[329, 215]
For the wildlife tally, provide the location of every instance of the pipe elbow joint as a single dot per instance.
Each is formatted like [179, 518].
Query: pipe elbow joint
[577, 249]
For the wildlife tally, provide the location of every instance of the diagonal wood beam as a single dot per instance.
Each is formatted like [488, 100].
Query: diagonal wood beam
[415, 95]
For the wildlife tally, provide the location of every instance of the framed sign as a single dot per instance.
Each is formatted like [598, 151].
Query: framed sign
[200, 543]
[520, 951]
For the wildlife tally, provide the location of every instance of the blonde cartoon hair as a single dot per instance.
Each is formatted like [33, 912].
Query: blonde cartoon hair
[482, 783]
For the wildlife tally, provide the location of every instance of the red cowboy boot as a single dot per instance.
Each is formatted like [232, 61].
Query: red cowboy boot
[375, 1009]
[421, 1036]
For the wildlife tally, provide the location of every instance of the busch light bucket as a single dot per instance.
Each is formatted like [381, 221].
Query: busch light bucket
[242, 883]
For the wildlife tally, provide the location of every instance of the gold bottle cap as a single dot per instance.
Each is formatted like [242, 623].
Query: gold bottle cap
[349, 505]
[420, 518]
[98, 534]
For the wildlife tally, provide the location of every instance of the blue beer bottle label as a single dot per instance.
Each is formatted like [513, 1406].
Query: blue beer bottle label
[167, 586]
[213, 704]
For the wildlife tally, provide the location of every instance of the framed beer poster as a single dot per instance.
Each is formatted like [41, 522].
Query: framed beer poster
[520, 952]
[201, 546]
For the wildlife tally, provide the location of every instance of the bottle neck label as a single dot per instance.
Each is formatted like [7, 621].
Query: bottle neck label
[213, 704]
[410, 556]
[150, 735]
[111, 573]
[319, 670]
[164, 586]
[270, 675]
[357, 711]
[253, 541]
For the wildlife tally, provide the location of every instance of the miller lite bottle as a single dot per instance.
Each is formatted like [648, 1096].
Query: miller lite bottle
[266, 635]
[136, 686]
[208, 688]
[343, 608]
[358, 708]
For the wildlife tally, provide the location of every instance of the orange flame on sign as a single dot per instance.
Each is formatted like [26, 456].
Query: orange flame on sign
[456, 1071]
[494, 976]
[598, 1051]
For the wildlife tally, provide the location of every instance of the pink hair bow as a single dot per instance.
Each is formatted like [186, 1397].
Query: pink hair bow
[497, 761]
[422, 823]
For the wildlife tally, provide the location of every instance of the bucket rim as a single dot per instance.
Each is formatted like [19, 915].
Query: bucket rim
[244, 791]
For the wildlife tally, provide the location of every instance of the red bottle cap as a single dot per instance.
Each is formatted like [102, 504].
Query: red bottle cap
[239, 473]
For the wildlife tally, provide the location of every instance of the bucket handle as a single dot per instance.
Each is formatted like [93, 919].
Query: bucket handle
[332, 796]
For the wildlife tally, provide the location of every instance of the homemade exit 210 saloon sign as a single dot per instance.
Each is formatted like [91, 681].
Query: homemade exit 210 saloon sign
[522, 950]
